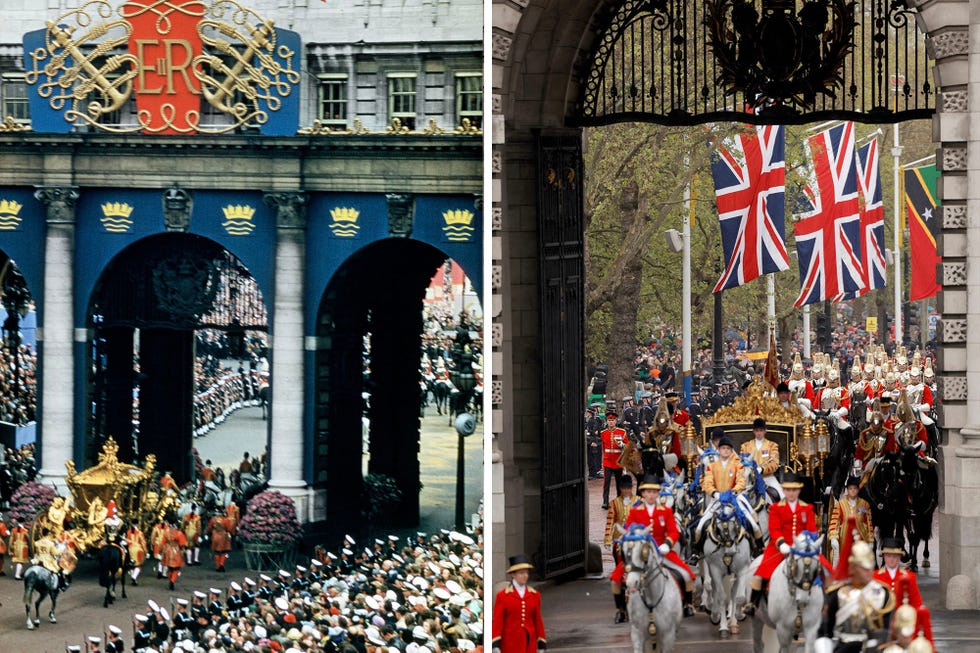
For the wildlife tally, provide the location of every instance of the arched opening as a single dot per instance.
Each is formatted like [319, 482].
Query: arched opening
[388, 303]
[19, 370]
[177, 344]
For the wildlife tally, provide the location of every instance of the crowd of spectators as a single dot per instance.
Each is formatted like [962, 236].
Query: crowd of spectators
[18, 385]
[17, 466]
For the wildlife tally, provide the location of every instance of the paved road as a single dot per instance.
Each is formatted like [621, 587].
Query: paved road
[245, 430]
[578, 614]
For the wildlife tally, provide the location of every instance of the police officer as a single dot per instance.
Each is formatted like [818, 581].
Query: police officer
[631, 418]
[593, 427]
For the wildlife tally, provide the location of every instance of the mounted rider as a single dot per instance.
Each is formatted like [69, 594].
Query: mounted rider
[47, 553]
[919, 392]
[651, 512]
[787, 519]
[910, 432]
[873, 440]
[798, 383]
[765, 453]
[724, 474]
[858, 609]
[662, 439]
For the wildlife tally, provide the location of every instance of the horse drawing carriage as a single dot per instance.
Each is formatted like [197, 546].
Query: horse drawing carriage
[85, 518]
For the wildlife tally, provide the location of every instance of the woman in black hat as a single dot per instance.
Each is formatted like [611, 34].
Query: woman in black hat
[517, 624]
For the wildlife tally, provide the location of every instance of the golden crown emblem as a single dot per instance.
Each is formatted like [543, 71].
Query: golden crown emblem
[238, 212]
[344, 214]
[458, 217]
[116, 210]
[10, 207]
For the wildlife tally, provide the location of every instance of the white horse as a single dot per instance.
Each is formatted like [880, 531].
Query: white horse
[795, 601]
[757, 494]
[654, 603]
[727, 556]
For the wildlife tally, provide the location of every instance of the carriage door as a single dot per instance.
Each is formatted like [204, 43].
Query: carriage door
[564, 534]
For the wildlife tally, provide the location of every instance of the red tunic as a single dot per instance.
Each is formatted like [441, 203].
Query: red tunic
[4, 533]
[173, 548]
[612, 447]
[664, 530]
[136, 541]
[219, 531]
[517, 623]
[911, 590]
[784, 526]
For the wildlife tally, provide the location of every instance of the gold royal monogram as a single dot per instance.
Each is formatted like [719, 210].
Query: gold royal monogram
[458, 228]
[115, 217]
[10, 214]
[238, 219]
[344, 223]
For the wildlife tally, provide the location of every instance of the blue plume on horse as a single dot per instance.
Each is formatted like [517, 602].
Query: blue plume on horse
[810, 537]
[730, 498]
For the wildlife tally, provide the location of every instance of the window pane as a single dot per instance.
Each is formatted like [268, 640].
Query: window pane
[15, 99]
[333, 108]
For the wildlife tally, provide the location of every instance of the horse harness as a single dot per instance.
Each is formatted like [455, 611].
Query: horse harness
[809, 559]
[647, 544]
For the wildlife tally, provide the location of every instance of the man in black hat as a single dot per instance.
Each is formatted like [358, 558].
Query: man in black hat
[631, 418]
[593, 440]
[613, 440]
[850, 505]
[901, 582]
[765, 453]
[517, 624]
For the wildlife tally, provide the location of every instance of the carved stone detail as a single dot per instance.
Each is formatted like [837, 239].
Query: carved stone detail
[401, 215]
[954, 102]
[497, 218]
[290, 208]
[952, 388]
[495, 273]
[953, 216]
[495, 162]
[59, 201]
[954, 274]
[952, 330]
[954, 158]
[949, 43]
[177, 204]
[495, 103]
[496, 334]
[497, 392]
[501, 46]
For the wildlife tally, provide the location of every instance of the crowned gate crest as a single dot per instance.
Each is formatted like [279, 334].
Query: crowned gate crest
[190, 66]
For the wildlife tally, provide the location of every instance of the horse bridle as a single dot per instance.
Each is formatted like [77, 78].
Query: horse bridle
[729, 539]
[811, 566]
[647, 544]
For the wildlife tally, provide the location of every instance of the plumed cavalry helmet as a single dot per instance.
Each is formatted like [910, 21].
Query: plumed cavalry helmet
[904, 412]
[929, 375]
[861, 555]
[833, 375]
[903, 623]
[856, 370]
[797, 372]
[877, 417]
[662, 418]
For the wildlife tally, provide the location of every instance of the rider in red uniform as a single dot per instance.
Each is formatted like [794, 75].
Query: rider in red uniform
[787, 519]
[649, 511]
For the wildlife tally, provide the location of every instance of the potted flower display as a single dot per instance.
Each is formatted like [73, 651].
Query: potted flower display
[30, 499]
[269, 531]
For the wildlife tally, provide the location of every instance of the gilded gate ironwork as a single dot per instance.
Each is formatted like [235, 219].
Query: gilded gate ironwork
[560, 243]
[685, 62]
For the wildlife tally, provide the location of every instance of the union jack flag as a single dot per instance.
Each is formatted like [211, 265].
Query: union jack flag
[749, 178]
[828, 237]
[872, 218]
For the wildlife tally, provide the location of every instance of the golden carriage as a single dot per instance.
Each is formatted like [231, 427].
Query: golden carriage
[83, 518]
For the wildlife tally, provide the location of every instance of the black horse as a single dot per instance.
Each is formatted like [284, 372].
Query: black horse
[112, 565]
[840, 459]
[886, 490]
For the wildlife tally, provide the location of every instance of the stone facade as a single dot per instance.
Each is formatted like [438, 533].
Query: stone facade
[536, 50]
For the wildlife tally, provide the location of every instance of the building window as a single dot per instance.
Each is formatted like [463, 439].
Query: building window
[401, 99]
[469, 98]
[333, 100]
[14, 99]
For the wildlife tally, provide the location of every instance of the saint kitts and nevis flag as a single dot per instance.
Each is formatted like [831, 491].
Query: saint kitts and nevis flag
[920, 204]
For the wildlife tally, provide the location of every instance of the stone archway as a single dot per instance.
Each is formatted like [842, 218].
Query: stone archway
[537, 50]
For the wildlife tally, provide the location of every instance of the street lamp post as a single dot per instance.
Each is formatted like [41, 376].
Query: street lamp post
[464, 379]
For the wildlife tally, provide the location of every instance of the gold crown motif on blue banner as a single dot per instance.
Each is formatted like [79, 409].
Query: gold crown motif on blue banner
[344, 223]
[115, 217]
[238, 219]
[10, 214]
[458, 228]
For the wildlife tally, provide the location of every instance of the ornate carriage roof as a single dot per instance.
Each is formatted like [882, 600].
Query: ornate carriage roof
[109, 471]
[755, 402]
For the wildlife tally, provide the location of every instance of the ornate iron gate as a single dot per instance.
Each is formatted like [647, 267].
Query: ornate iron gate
[560, 234]
[687, 62]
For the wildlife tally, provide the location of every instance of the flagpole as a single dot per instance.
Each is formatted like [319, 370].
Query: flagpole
[897, 259]
[686, 289]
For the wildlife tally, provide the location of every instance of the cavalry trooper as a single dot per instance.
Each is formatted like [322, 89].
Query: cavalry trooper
[787, 519]
[872, 440]
[857, 611]
[798, 382]
[765, 453]
[850, 505]
[651, 512]
[913, 431]
[663, 439]
[615, 520]
[613, 440]
[894, 577]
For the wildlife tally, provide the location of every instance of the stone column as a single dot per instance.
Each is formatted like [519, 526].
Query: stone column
[287, 380]
[57, 333]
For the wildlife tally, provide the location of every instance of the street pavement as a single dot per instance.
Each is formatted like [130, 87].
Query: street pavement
[578, 615]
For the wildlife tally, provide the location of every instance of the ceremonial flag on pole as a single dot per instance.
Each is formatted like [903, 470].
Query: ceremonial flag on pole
[772, 363]
[872, 219]
[920, 201]
[749, 174]
[828, 237]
